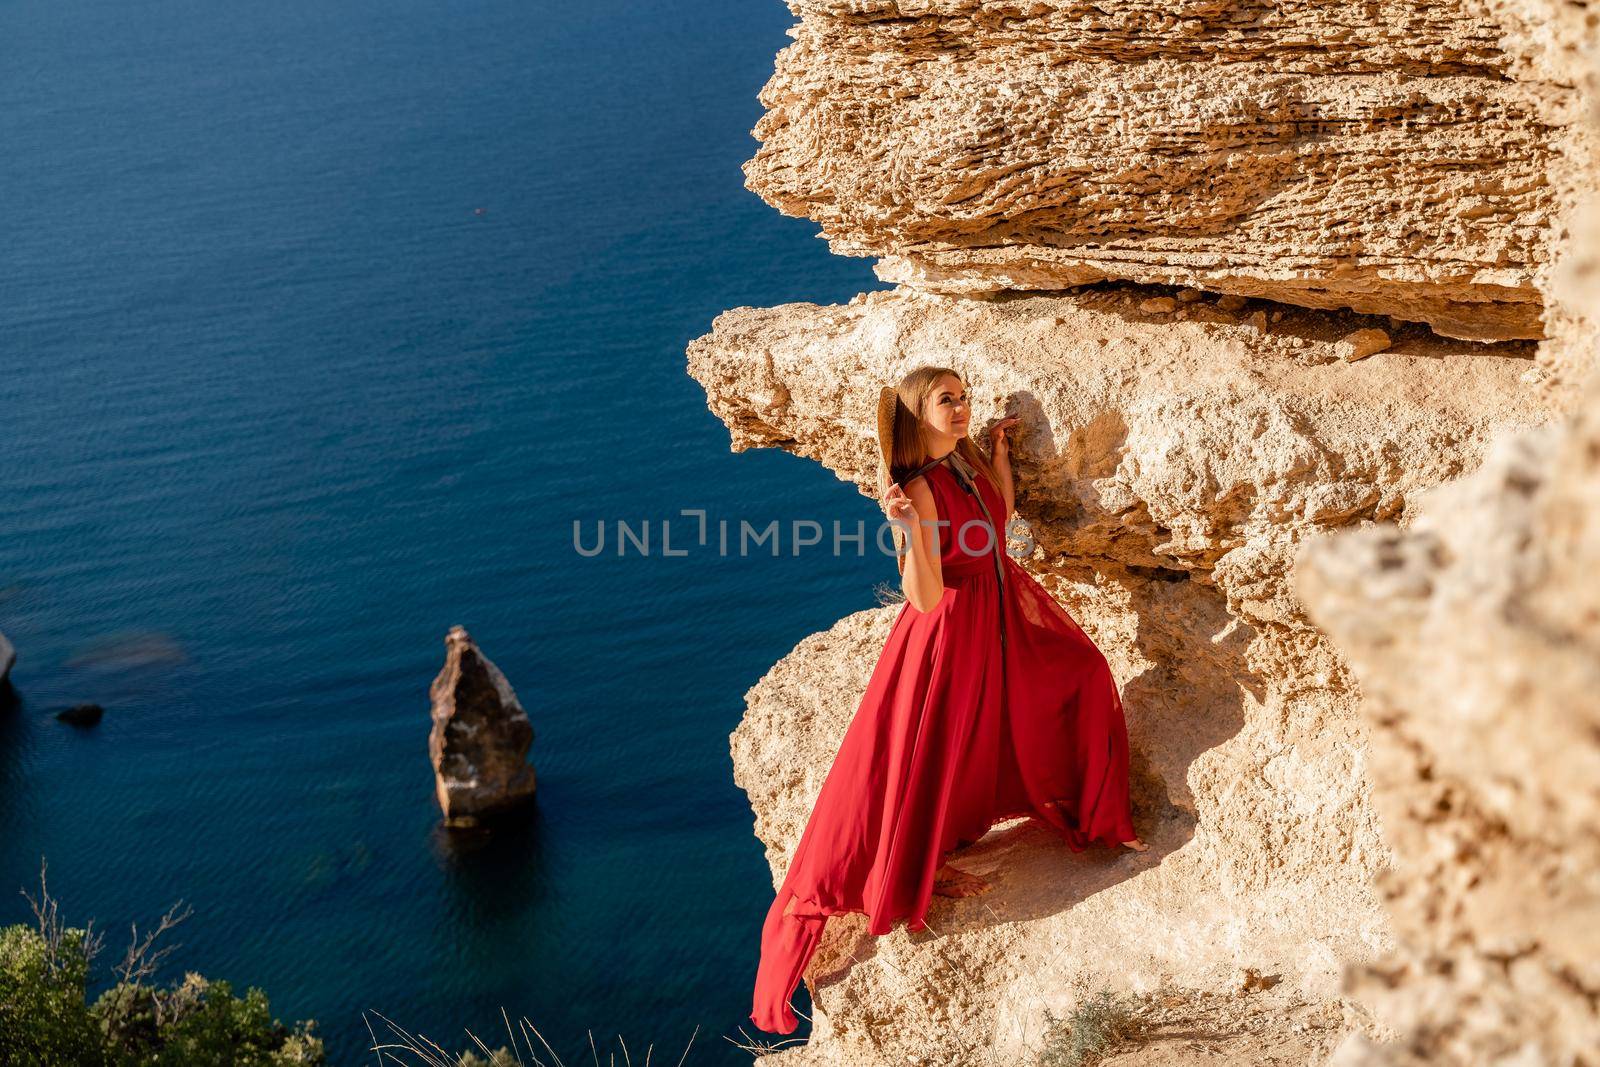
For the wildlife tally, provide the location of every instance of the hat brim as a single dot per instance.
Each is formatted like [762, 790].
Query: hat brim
[888, 406]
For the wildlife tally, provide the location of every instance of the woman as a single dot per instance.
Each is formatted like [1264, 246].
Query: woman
[987, 702]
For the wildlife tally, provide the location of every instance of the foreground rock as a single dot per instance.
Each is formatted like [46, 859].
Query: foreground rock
[8, 657]
[1475, 633]
[1170, 463]
[1389, 158]
[480, 737]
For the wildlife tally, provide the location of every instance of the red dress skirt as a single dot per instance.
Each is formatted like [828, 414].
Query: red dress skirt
[957, 730]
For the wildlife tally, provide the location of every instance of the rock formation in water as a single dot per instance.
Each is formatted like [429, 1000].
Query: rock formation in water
[480, 737]
[1179, 448]
[8, 657]
[82, 714]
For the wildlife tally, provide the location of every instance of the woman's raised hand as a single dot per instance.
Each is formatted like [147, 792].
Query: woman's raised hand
[999, 445]
[898, 507]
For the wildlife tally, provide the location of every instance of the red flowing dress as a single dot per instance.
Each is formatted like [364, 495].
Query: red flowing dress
[963, 725]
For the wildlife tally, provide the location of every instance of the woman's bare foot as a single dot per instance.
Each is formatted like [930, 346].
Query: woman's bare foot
[1136, 844]
[951, 881]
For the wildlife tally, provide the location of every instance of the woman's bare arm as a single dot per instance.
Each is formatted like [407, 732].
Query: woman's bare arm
[923, 581]
[1002, 471]
[1000, 460]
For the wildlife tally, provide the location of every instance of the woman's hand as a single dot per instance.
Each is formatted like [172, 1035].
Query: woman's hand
[998, 443]
[898, 507]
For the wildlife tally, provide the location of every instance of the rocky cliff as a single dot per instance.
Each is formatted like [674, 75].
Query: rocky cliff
[1389, 157]
[1474, 633]
[1040, 178]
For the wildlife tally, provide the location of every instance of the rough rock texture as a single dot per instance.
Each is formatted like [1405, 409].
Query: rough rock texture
[1475, 634]
[1169, 465]
[1554, 42]
[8, 656]
[1386, 811]
[1396, 158]
[480, 737]
[1183, 1029]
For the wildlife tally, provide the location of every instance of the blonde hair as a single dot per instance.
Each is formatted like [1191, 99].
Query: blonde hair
[910, 447]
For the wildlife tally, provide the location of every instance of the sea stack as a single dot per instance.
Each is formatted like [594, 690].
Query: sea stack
[480, 738]
[8, 656]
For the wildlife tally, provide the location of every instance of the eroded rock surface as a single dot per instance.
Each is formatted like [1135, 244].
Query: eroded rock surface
[1475, 634]
[1392, 158]
[1169, 465]
[1431, 841]
[480, 737]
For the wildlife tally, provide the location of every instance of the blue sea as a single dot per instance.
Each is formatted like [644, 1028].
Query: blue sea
[322, 322]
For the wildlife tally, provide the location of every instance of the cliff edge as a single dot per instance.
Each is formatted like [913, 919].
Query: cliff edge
[1167, 238]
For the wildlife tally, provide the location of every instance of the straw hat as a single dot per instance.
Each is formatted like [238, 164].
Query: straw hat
[888, 404]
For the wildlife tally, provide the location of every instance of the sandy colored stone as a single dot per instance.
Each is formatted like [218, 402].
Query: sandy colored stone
[1474, 632]
[1167, 472]
[1392, 158]
[1373, 824]
[1363, 343]
[1475, 635]
[1184, 1028]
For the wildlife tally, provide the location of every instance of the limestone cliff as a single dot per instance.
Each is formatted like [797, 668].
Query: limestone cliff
[1176, 453]
[1388, 157]
[1475, 635]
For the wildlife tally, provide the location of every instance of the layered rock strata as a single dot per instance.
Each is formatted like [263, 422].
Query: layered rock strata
[1390, 157]
[1381, 813]
[1169, 465]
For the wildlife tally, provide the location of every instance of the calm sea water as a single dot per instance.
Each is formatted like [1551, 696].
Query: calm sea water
[322, 322]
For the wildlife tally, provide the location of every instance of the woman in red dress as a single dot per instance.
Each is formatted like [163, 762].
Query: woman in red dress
[988, 702]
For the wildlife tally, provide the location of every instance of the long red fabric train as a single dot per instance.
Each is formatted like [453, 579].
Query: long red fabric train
[957, 730]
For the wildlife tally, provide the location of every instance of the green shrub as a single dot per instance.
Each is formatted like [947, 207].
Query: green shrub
[198, 1023]
[1094, 1029]
[45, 1020]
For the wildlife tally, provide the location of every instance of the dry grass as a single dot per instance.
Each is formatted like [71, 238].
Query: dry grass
[409, 1049]
[758, 1048]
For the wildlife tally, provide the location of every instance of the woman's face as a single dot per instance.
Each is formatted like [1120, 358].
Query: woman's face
[946, 410]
